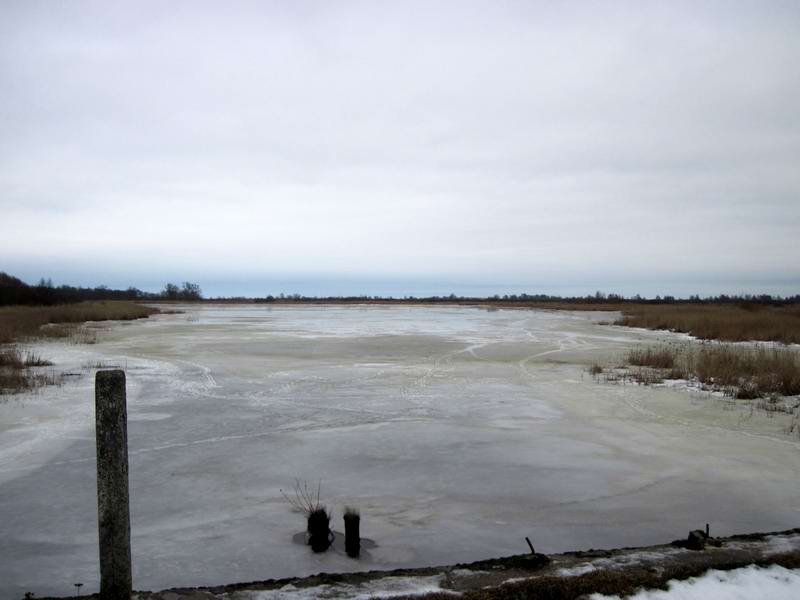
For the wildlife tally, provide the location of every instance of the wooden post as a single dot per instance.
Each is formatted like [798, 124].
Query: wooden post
[113, 513]
[530, 545]
[352, 534]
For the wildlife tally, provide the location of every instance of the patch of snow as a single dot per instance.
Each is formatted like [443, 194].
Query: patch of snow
[581, 569]
[635, 558]
[511, 580]
[616, 562]
[467, 573]
[386, 587]
[775, 583]
[783, 543]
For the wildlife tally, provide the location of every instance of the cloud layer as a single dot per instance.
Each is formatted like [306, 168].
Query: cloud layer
[476, 142]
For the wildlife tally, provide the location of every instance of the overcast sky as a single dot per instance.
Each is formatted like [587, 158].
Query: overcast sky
[402, 147]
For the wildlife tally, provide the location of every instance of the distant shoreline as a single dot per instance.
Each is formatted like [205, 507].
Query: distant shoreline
[734, 320]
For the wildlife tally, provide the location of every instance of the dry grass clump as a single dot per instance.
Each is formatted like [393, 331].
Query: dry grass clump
[658, 358]
[12, 357]
[14, 381]
[728, 322]
[740, 371]
[748, 372]
[306, 500]
[16, 374]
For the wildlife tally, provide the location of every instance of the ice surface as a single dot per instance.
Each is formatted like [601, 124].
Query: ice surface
[775, 583]
[456, 431]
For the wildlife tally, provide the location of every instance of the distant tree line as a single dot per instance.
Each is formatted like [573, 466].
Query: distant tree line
[596, 298]
[15, 291]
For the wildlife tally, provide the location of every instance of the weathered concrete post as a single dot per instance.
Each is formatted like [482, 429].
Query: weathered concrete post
[113, 514]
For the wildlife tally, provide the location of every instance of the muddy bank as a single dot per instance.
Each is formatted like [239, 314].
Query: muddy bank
[565, 575]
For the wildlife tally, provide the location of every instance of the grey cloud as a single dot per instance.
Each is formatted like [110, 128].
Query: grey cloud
[469, 141]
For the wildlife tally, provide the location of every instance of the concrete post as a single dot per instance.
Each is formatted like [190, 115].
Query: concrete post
[113, 515]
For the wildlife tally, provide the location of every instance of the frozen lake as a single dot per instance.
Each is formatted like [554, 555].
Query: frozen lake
[456, 431]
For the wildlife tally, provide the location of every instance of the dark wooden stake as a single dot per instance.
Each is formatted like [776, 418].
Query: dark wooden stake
[113, 512]
[352, 534]
[708, 530]
[530, 545]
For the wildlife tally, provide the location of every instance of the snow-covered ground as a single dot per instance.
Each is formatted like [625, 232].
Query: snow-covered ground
[749, 583]
[456, 431]
[386, 587]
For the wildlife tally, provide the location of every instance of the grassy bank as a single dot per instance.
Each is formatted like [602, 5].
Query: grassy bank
[21, 323]
[21, 371]
[727, 322]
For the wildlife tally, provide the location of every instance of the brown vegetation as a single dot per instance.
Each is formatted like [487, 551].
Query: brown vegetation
[18, 370]
[740, 371]
[659, 358]
[727, 322]
[19, 323]
[750, 372]
[16, 374]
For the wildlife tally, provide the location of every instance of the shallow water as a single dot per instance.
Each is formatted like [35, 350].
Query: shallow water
[456, 431]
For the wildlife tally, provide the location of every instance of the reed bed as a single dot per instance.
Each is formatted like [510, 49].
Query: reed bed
[20, 323]
[726, 322]
[740, 371]
[22, 371]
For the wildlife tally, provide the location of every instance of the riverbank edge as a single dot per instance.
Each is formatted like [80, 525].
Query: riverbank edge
[571, 574]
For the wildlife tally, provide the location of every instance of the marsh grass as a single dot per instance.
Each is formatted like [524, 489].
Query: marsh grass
[13, 358]
[658, 358]
[18, 375]
[749, 372]
[20, 323]
[740, 371]
[99, 364]
[726, 322]
[18, 370]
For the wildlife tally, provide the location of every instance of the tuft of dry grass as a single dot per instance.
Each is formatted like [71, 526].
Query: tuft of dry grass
[16, 374]
[727, 322]
[11, 358]
[658, 358]
[34, 360]
[748, 372]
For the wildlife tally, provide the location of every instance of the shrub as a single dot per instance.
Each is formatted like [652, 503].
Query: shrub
[307, 501]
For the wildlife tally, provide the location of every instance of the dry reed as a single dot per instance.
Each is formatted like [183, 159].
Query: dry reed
[727, 322]
[740, 371]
